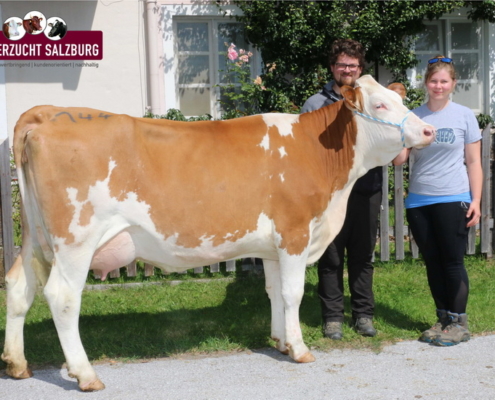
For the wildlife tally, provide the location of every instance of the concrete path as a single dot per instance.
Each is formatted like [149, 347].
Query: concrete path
[407, 370]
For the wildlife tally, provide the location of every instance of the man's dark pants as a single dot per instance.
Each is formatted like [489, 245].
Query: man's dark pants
[358, 237]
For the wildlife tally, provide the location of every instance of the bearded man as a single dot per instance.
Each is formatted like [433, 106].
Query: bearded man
[358, 234]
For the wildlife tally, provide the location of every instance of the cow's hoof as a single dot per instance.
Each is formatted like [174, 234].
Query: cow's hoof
[24, 374]
[92, 386]
[306, 358]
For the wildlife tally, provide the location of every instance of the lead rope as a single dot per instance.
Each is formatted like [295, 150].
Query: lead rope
[401, 125]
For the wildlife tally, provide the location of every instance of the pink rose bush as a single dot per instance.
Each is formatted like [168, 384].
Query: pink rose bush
[242, 95]
[239, 92]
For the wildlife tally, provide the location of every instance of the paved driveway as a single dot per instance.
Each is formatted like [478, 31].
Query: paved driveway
[407, 370]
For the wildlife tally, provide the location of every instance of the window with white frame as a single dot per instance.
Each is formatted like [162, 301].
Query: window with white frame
[461, 40]
[201, 49]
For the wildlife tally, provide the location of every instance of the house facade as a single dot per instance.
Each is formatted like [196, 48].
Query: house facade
[160, 54]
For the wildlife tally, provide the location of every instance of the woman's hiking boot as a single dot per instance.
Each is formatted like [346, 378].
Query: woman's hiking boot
[455, 332]
[333, 330]
[430, 334]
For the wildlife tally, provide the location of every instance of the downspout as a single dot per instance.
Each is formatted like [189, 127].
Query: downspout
[154, 59]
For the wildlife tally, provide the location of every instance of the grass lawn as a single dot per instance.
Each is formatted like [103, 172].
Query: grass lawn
[153, 321]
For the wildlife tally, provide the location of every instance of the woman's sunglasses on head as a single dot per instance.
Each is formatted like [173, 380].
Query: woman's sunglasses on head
[442, 59]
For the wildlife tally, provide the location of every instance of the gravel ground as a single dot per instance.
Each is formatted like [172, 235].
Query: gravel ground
[407, 370]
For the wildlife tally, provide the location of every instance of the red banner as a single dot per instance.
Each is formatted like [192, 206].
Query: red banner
[75, 45]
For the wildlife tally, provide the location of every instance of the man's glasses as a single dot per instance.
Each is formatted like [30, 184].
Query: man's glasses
[342, 67]
[443, 59]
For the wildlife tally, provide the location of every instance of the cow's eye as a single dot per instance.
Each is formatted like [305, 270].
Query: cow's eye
[380, 105]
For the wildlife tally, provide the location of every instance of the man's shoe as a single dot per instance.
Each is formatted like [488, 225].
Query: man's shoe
[333, 330]
[364, 326]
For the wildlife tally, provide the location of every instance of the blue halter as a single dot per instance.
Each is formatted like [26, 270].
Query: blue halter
[401, 125]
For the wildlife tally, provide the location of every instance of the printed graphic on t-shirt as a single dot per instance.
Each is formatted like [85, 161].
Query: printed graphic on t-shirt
[445, 135]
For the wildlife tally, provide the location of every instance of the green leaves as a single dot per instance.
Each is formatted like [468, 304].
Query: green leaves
[296, 35]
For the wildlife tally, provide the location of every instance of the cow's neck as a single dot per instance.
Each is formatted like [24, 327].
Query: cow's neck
[336, 132]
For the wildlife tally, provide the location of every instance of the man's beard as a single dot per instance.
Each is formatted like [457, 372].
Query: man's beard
[346, 80]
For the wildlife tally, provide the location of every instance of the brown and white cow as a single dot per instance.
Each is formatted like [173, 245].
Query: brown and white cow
[100, 190]
[10, 29]
[32, 25]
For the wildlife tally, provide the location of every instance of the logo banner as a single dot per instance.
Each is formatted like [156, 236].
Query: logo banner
[75, 45]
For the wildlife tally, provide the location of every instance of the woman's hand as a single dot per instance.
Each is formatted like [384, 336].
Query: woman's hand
[473, 213]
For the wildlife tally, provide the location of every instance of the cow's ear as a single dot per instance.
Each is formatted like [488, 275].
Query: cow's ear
[352, 98]
[399, 88]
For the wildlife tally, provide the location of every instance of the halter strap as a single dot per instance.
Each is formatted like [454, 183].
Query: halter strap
[401, 125]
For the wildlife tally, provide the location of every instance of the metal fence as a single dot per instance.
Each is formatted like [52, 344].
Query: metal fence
[393, 242]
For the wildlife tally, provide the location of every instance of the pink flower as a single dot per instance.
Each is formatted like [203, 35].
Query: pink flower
[258, 81]
[244, 58]
[231, 53]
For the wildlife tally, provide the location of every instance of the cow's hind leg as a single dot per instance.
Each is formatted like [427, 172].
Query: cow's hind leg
[21, 289]
[63, 292]
[292, 274]
[274, 290]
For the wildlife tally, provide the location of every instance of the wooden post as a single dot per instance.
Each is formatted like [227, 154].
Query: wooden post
[230, 266]
[132, 269]
[384, 214]
[399, 212]
[412, 243]
[149, 270]
[485, 223]
[215, 267]
[6, 210]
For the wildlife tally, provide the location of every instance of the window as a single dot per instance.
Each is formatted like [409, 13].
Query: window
[201, 48]
[459, 39]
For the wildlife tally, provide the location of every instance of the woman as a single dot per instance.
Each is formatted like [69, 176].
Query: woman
[444, 200]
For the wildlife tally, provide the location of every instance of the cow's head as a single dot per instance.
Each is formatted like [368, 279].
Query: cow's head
[382, 115]
[36, 23]
[56, 29]
[13, 27]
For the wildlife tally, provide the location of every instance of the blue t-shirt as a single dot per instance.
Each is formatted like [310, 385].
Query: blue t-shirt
[439, 173]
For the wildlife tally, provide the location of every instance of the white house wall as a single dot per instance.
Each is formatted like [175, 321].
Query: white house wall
[117, 85]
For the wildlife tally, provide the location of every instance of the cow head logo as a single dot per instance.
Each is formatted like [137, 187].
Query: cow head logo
[34, 23]
[12, 28]
[56, 28]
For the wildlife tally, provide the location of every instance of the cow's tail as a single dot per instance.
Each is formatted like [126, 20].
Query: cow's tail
[32, 220]
[26, 123]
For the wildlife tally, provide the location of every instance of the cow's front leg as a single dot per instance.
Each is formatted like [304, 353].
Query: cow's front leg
[63, 293]
[274, 290]
[21, 289]
[292, 274]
